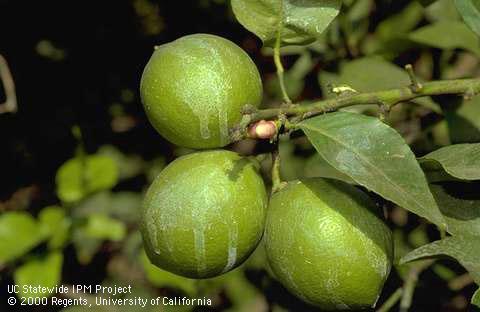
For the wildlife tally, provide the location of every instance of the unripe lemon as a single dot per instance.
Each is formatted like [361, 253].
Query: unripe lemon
[204, 214]
[193, 89]
[325, 244]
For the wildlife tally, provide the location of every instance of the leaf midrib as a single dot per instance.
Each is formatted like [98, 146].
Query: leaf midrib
[370, 164]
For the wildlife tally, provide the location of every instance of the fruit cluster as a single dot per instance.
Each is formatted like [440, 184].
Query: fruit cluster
[207, 211]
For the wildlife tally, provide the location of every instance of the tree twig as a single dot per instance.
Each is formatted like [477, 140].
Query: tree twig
[391, 301]
[411, 283]
[460, 282]
[386, 98]
[280, 70]
[416, 85]
[10, 105]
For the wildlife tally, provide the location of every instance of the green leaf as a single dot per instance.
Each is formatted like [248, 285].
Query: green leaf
[291, 166]
[371, 74]
[459, 36]
[461, 161]
[401, 248]
[88, 238]
[317, 166]
[302, 66]
[86, 308]
[240, 291]
[81, 176]
[470, 11]
[359, 10]
[464, 123]
[55, 225]
[465, 249]
[294, 78]
[418, 237]
[154, 168]
[375, 156]
[44, 272]
[132, 244]
[442, 10]
[401, 23]
[444, 272]
[440, 134]
[96, 203]
[124, 206]
[128, 165]
[476, 298]
[103, 227]
[298, 22]
[390, 35]
[400, 244]
[426, 2]
[162, 278]
[353, 24]
[85, 245]
[19, 232]
[460, 205]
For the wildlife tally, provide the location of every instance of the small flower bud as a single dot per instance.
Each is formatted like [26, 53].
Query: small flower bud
[262, 130]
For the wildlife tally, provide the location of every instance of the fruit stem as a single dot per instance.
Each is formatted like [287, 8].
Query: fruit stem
[276, 179]
[391, 301]
[280, 70]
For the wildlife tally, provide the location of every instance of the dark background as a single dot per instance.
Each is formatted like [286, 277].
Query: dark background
[90, 77]
[106, 46]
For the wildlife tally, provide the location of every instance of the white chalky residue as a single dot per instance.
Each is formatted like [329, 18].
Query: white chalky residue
[290, 279]
[190, 97]
[179, 203]
[163, 222]
[233, 232]
[152, 230]
[199, 219]
[204, 131]
[199, 239]
[232, 248]
[375, 302]
[342, 306]
[374, 254]
[332, 284]
[225, 87]
[284, 257]
[168, 221]
[202, 112]
[223, 125]
[216, 87]
[377, 262]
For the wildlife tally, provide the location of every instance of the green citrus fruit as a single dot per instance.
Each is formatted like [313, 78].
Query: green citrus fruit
[325, 244]
[204, 214]
[193, 89]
